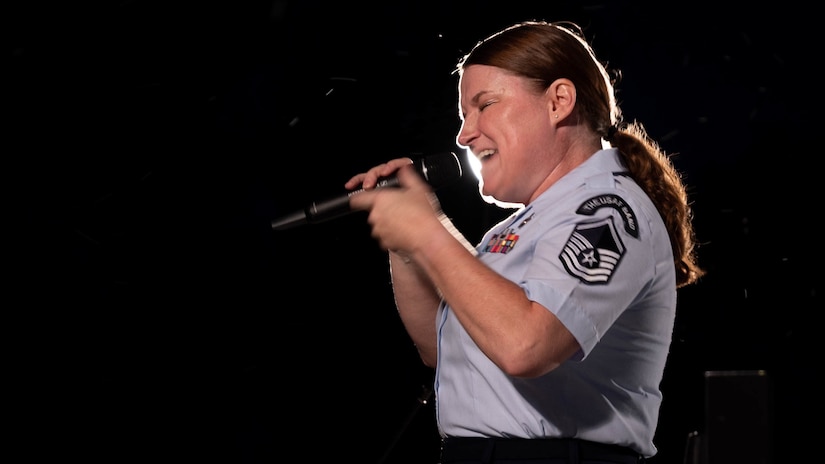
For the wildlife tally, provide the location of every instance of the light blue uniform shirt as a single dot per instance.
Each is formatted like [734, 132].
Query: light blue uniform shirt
[594, 251]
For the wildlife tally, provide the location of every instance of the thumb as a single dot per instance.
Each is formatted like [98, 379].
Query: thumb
[408, 177]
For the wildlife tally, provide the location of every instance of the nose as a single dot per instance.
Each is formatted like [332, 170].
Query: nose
[467, 133]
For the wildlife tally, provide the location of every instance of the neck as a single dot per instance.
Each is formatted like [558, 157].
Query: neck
[573, 155]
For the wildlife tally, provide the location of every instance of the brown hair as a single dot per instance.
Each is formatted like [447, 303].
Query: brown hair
[544, 52]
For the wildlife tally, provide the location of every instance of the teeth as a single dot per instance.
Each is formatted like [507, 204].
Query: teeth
[485, 153]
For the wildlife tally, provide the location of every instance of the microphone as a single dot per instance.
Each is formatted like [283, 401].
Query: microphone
[438, 170]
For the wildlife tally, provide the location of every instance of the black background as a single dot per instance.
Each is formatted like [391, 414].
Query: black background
[155, 316]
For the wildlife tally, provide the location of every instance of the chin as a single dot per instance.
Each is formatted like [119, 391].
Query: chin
[488, 198]
[503, 204]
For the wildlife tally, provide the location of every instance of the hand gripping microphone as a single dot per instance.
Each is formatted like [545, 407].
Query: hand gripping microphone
[438, 170]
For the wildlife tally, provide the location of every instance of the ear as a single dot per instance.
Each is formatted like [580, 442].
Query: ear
[561, 98]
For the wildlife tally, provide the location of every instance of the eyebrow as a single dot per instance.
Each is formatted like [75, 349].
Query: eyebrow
[474, 100]
[478, 96]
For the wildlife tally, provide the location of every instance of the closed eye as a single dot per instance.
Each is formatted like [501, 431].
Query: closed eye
[486, 104]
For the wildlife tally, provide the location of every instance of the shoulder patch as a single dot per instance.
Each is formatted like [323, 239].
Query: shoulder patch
[616, 202]
[593, 251]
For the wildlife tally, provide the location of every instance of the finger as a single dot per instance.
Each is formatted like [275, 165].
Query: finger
[355, 181]
[385, 170]
[362, 200]
[370, 178]
[366, 180]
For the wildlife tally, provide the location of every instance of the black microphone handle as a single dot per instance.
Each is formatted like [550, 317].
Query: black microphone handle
[437, 170]
[319, 211]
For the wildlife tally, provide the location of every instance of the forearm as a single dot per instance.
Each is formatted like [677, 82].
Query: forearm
[417, 301]
[520, 336]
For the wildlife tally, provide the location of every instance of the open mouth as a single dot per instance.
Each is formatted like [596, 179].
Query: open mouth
[485, 155]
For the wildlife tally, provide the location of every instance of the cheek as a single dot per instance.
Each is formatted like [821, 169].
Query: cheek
[528, 115]
[522, 128]
[534, 127]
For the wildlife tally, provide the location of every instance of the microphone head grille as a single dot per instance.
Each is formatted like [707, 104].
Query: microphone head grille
[440, 169]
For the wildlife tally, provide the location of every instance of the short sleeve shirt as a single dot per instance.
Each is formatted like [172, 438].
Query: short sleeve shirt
[594, 251]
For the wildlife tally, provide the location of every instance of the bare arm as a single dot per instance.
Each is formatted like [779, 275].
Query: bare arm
[520, 336]
[417, 301]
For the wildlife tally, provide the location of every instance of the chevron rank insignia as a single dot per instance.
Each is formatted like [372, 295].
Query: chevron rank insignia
[593, 251]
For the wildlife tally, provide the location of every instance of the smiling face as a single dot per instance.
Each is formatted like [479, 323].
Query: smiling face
[509, 127]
